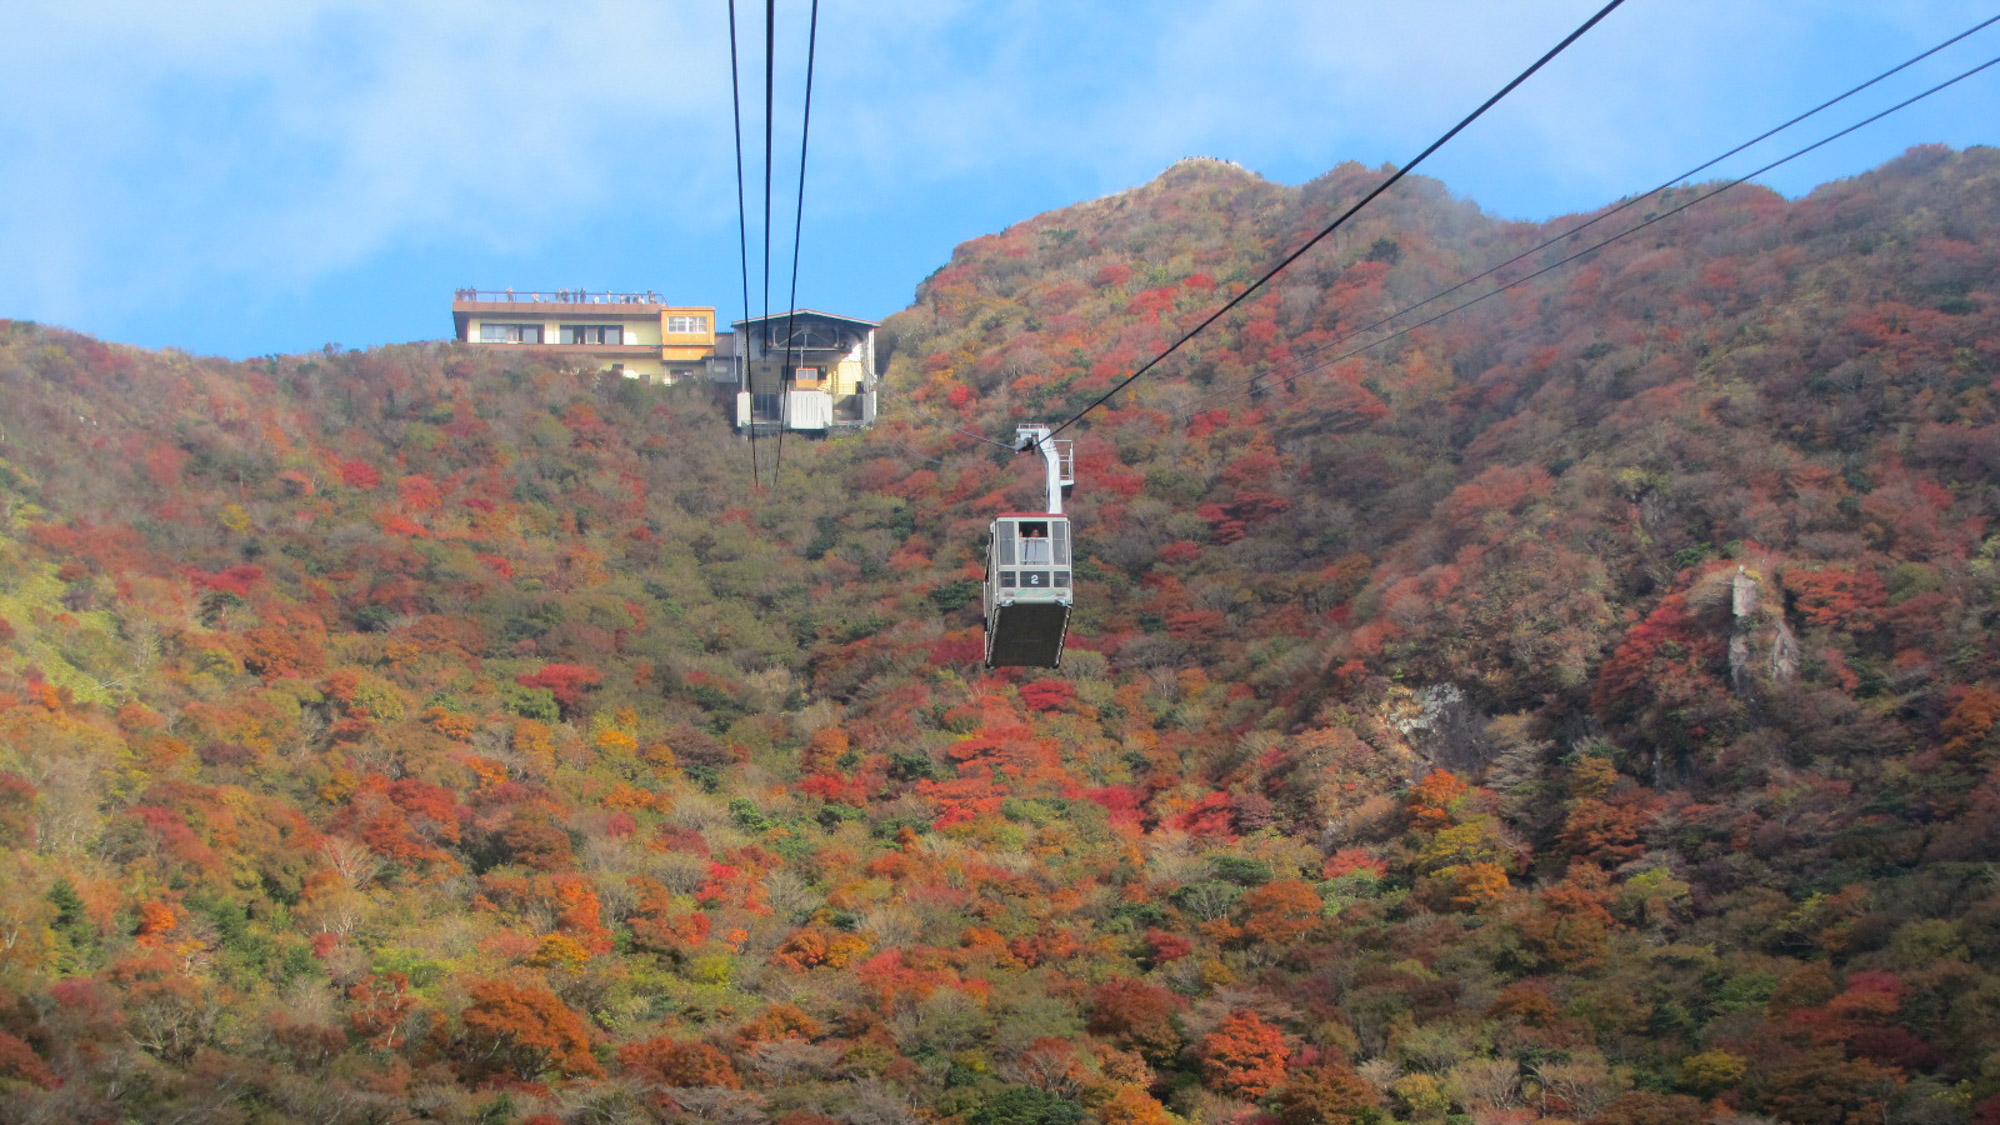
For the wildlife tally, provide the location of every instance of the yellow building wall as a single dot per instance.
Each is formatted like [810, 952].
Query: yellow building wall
[651, 370]
[704, 339]
[647, 330]
[549, 327]
[640, 332]
[847, 376]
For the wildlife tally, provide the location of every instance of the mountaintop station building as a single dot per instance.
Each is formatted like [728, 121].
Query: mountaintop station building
[636, 335]
[806, 371]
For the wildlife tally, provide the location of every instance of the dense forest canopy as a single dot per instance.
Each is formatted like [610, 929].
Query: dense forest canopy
[1586, 708]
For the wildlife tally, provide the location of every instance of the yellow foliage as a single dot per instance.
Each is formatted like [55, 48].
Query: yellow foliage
[845, 949]
[1474, 841]
[28, 941]
[380, 698]
[1421, 1097]
[1476, 884]
[338, 788]
[534, 738]
[1711, 1072]
[1592, 777]
[613, 741]
[560, 951]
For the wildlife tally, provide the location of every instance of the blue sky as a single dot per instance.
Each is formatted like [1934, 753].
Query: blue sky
[244, 178]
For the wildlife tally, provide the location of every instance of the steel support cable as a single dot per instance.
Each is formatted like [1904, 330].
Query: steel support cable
[770, 100]
[1008, 446]
[956, 430]
[952, 429]
[764, 323]
[798, 230]
[916, 456]
[1316, 239]
[1635, 200]
[1287, 381]
[742, 223]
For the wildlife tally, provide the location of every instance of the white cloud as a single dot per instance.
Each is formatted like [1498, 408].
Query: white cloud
[226, 151]
[279, 142]
[1292, 88]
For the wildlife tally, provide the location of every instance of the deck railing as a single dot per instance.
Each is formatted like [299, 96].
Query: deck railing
[556, 297]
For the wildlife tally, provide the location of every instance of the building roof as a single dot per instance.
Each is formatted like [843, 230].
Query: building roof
[807, 313]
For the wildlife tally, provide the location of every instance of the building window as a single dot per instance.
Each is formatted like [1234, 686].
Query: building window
[687, 325]
[510, 333]
[592, 334]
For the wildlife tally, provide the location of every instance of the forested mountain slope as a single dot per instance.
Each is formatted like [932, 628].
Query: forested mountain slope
[1581, 709]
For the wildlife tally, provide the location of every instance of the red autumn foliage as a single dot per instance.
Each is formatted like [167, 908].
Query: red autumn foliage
[1213, 817]
[1138, 1016]
[263, 619]
[1836, 598]
[1162, 946]
[236, 580]
[1048, 695]
[568, 682]
[380, 1005]
[19, 1062]
[359, 474]
[661, 924]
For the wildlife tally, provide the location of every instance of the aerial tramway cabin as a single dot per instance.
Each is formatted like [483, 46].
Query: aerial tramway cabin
[1029, 589]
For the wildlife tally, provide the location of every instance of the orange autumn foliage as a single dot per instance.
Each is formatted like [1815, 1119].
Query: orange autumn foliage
[525, 1030]
[779, 1021]
[679, 1063]
[1968, 728]
[156, 920]
[1132, 1105]
[813, 948]
[1328, 1094]
[1430, 801]
[660, 924]
[380, 1005]
[1243, 1056]
[1281, 911]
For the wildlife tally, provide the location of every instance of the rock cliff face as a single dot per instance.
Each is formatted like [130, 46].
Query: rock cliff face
[1580, 708]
